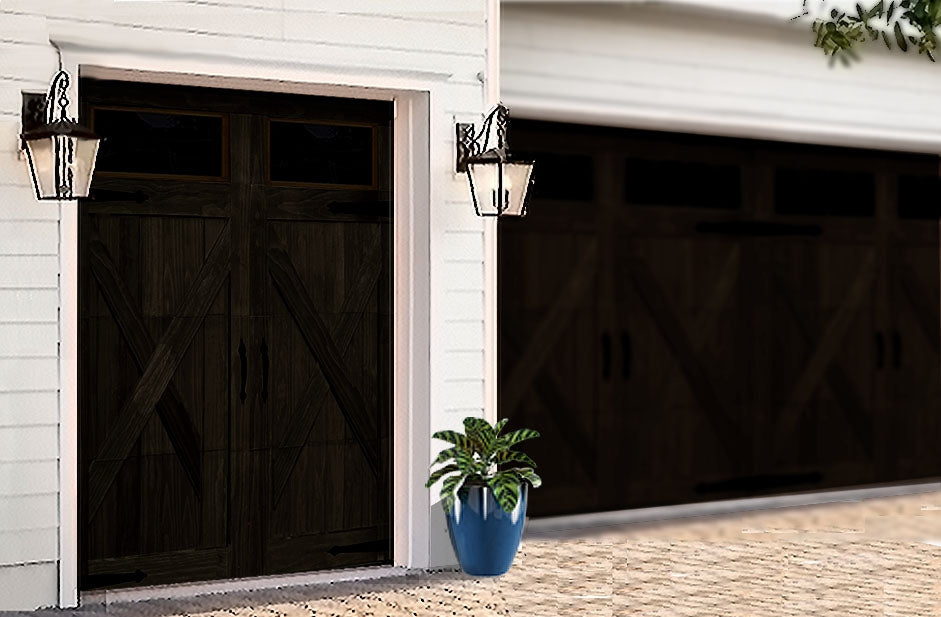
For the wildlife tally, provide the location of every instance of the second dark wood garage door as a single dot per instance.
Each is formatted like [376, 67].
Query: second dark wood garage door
[235, 335]
[688, 318]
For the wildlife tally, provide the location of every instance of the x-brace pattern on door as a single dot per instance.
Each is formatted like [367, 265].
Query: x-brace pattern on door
[328, 343]
[161, 363]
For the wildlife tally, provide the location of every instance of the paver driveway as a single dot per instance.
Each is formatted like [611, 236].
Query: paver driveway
[858, 558]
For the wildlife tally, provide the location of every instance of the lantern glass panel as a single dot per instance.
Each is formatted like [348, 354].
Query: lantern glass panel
[515, 184]
[83, 166]
[484, 180]
[42, 155]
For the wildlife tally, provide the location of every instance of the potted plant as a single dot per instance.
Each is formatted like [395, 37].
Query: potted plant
[484, 493]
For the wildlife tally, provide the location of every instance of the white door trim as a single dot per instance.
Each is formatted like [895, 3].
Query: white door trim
[412, 96]
[491, 98]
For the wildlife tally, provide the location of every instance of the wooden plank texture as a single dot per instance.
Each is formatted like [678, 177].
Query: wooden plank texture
[160, 367]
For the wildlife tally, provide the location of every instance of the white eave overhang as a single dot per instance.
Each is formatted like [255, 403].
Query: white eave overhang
[770, 10]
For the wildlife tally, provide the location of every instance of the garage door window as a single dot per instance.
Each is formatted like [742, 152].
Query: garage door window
[145, 143]
[322, 154]
[822, 192]
[686, 184]
[562, 177]
[919, 197]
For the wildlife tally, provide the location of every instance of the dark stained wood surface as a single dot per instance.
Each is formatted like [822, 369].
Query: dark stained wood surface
[730, 344]
[159, 369]
[295, 431]
[912, 348]
[328, 326]
[312, 328]
[550, 336]
[175, 418]
[184, 479]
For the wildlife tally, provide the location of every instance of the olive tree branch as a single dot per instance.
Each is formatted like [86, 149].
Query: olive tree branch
[902, 24]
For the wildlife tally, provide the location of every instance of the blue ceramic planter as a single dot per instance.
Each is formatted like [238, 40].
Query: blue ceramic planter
[484, 536]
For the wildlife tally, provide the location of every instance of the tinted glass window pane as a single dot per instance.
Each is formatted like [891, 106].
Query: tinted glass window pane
[919, 197]
[321, 153]
[565, 177]
[145, 142]
[685, 184]
[821, 192]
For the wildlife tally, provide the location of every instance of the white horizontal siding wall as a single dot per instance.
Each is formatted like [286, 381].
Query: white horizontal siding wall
[693, 69]
[446, 40]
[29, 335]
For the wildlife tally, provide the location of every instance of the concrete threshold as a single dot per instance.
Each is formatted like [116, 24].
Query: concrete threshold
[184, 591]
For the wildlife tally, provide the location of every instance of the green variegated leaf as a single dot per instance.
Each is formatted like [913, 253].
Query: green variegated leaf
[478, 425]
[506, 489]
[520, 435]
[480, 431]
[439, 473]
[530, 476]
[509, 456]
[458, 439]
[448, 489]
[476, 456]
[465, 461]
[445, 455]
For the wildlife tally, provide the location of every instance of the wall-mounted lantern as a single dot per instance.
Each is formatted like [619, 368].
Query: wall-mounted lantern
[498, 182]
[61, 152]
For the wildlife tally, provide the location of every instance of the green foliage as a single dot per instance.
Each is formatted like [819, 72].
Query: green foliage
[477, 455]
[902, 23]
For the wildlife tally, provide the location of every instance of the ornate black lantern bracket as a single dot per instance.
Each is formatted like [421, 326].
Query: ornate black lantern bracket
[498, 182]
[470, 143]
[33, 114]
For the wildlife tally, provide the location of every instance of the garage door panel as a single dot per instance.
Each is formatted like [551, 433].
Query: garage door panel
[551, 354]
[209, 302]
[759, 308]
[820, 341]
[913, 360]
[690, 358]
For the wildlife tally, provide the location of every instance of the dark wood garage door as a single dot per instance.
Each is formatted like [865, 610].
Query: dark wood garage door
[235, 335]
[689, 319]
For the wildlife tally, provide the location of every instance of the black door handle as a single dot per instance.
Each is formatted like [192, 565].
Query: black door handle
[626, 352]
[606, 355]
[264, 370]
[880, 350]
[896, 349]
[244, 369]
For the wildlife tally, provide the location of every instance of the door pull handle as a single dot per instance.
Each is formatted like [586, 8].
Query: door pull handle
[264, 370]
[606, 356]
[896, 349]
[627, 353]
[243, 361]
[880, 350]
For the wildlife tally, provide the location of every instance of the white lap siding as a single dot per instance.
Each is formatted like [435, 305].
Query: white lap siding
[29, 334]
[443, 39]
